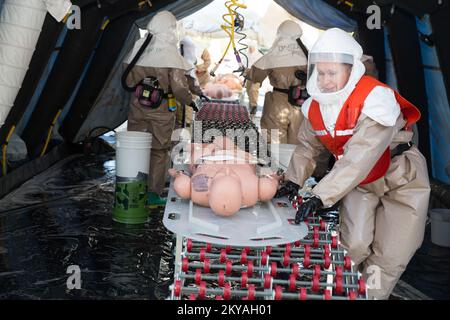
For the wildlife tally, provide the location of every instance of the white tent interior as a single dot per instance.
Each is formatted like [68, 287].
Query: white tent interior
[261, 21]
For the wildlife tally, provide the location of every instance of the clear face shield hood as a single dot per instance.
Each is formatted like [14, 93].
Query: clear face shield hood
[333, 76]
[330, 72]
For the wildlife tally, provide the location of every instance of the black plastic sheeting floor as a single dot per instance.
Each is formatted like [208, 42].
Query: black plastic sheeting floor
[62, 217]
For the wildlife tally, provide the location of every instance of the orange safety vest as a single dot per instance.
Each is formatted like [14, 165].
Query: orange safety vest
[347, 119]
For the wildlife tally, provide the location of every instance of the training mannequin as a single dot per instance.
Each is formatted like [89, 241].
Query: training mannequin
[223, 178]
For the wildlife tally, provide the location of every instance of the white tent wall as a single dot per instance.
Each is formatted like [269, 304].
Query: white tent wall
[20, 26]
[262, 19]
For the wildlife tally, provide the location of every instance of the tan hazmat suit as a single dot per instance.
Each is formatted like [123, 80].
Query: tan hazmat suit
[382, 223]
[161, 60]
[202, 70]
[279, 64]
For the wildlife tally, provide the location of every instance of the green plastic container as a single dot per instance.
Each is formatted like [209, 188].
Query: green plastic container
[130, 200]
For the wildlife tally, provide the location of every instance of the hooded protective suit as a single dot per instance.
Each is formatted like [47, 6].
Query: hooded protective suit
[384, 190]
[202, 70]
[162, 60]
[284, 58]
[189, 52]
[252, 89]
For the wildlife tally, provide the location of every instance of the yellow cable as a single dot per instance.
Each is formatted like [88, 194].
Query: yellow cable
[229, 26]
[66, 17]
[4, 147]
[49, 134]
[350, 4]
[4, 160]
[105, 24]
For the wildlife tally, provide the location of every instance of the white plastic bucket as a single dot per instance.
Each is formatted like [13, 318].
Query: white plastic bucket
[132, 169]
[132, 153]
[440, 227]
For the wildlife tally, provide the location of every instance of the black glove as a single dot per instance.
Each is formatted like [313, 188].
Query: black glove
[204, 98]
[193, 106]
[289, 189]
[306, 208]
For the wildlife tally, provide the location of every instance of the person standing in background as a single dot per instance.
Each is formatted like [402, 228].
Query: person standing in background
[162, 69]
[251, 87]
[202, 70]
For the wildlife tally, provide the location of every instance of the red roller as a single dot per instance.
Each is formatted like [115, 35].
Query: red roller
[362, 287]
[208, 247]
[202, 290]
[323, 225]
[278, 292]
[347, 263]
[244, 279]
[206, 265]
[306, 261]
[244, 256]
[295, 270]
[219, 298]
[302, 295]
[298, 243]
[339, 272]
[316, 271]
[189, 245]
[269, 249]
[315, 284]
[307, 250]
[250, 268]
[228, 267]
[177, 291]
[228, 249]
[202, 254]
[316, 241]
[339, 289]
[334, 242]
[326, 250]
[198, 276]
[316, 231]
[286, 259]
[247, 250]
[267, 280]
[227, 291]
[263, 258]
[251, 292]
[327, 295]
[352, 295]
[185, 264]
[192, 297]
[221, 278]
[223, 256]
[273, 269]
[292, 283]
[288, 249]
[327, 262]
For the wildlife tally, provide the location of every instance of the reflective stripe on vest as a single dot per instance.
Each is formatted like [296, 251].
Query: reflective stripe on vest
[341, 133]
[348, 118]
[320, 133]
